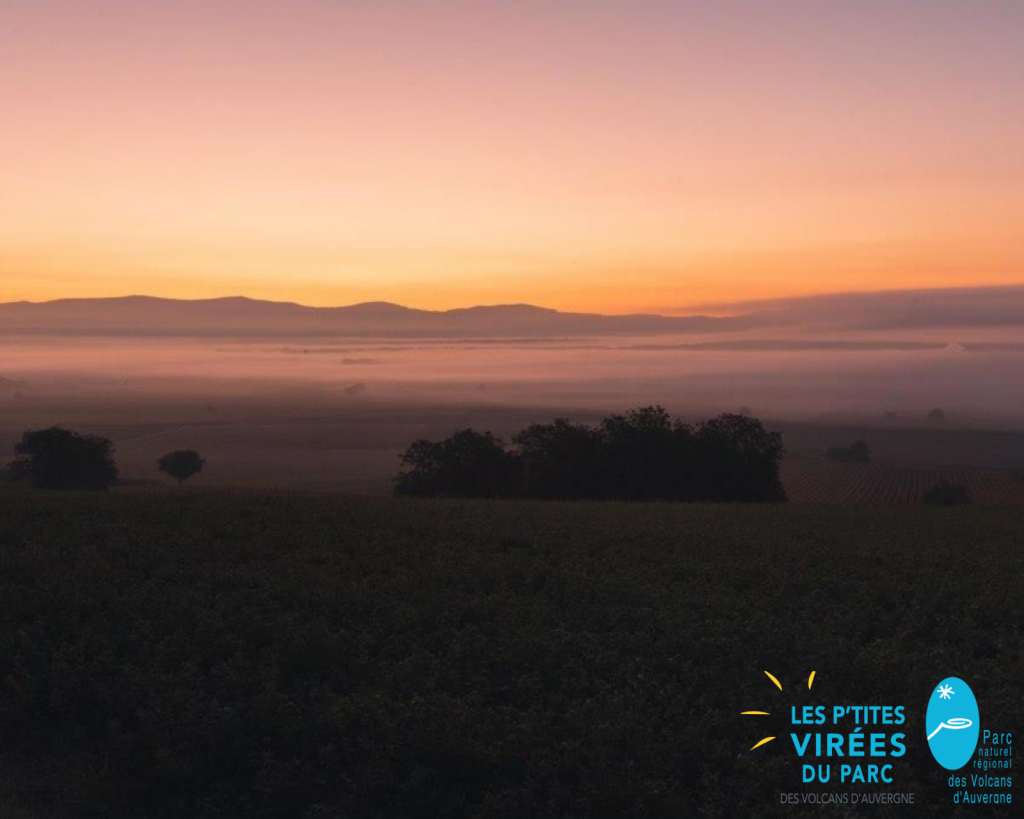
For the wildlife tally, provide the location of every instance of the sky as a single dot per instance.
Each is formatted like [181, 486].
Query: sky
[579, 154]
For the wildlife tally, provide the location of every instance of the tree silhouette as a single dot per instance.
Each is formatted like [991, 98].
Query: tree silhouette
[181, 465]
[469, 464]
[937, 414]
[738, 461]
[58, 458]
[559, 460]
[641, 455]
[857, 452]
[647, 456]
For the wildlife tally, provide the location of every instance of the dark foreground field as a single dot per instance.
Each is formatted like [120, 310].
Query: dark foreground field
[268, 655]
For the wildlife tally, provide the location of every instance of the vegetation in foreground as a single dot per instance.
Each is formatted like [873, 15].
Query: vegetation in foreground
[190, 654]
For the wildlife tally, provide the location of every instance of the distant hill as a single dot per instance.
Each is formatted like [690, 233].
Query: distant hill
[240, 317]
[922, 309]
[251, 318]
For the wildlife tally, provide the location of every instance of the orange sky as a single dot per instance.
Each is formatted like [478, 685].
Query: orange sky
[582, 155]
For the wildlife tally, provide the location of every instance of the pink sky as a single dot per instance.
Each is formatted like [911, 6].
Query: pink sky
[584, 155]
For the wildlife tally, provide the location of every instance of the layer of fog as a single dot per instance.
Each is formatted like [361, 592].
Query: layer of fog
[971, 373]
[336, 414]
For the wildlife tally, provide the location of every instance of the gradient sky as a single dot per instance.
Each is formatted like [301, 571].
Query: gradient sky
[579, 154]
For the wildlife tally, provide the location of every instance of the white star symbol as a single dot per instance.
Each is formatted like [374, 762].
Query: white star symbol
[945, 691]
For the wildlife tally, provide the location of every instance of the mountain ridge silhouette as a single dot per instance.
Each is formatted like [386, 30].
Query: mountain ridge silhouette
[240, 315]
[243, 316]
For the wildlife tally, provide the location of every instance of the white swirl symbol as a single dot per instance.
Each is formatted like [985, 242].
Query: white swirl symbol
[956, 724]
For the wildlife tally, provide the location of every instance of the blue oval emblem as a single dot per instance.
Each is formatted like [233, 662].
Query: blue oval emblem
[952, 723]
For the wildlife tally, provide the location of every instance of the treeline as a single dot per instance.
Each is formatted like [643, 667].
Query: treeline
[644, 454]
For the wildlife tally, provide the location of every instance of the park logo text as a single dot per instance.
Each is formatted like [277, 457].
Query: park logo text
[953, 725]
[852, 746]
[856, 746]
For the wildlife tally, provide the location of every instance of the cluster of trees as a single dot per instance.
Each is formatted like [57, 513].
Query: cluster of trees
[641, 455]
[58, 458]
[945, 493]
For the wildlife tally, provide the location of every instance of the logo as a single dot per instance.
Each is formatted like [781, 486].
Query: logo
[838, 745]
[952, 723]
[810, 682]
[843, 744]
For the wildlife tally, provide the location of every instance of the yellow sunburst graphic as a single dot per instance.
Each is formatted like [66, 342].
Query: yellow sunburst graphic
[810, 682]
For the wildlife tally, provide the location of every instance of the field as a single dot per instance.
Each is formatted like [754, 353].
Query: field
[213, 654]
[815, 480]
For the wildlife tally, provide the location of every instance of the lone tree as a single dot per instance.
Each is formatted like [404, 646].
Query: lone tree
[857, 452]
[937, 414]
[181, 465]
[58, 458]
